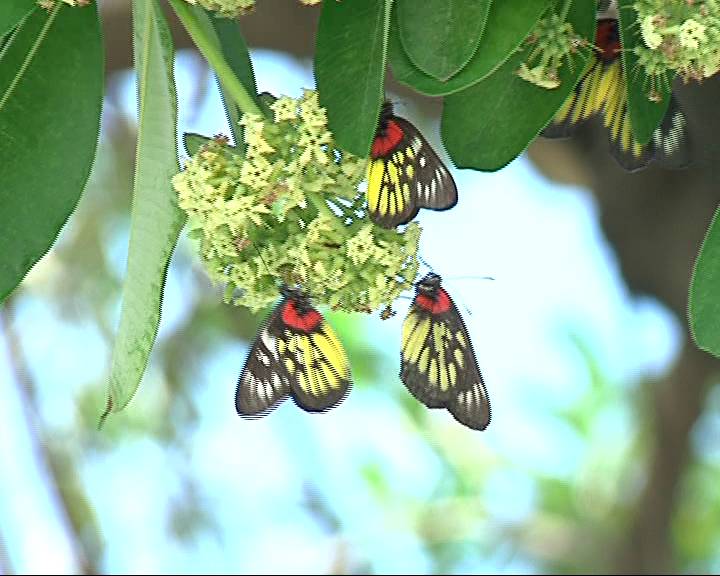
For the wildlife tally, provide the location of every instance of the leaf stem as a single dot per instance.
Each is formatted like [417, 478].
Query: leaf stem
[215, 58]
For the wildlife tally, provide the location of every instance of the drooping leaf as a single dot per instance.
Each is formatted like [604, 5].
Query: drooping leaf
[350, 69]
[645, 114]
[440, 36]
[508, 24]
[487, 125]
[704, 304]
[156, 219]
[51, 86]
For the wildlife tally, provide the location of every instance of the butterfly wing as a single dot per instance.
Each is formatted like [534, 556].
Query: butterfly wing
[295, 354]
[438, 364]
[585, 101]
[671, 140]
[318, 366]
[406, 177]
[264, 381]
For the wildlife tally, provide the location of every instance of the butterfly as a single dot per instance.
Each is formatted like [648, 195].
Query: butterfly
[296, 353]
[438, 364]
[603, 90]
[404, 173]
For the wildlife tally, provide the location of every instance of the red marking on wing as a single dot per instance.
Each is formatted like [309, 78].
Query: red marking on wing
[435, 306]
[302, 322]
[385, 144]
[607, 39]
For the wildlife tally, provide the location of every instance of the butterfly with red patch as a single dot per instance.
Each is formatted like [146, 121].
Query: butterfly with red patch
[438, 364]
[404, 173]
[296, 353]
[603, 90]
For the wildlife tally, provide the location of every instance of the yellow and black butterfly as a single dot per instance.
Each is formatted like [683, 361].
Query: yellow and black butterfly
[603, 90]
[296, 353]
[438, 364]
[404, 173]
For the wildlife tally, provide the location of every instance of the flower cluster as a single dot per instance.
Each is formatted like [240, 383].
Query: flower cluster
[683, 37]
[226, 8]
[232, 8]
[290, 209]
[554, 40]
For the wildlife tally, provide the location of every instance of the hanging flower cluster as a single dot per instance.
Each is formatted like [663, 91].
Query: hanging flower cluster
[554, 40]
[290, 209]
[232, 8]
[683, 37]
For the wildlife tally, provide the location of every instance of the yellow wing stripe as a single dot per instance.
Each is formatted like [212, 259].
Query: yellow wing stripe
[608, 81]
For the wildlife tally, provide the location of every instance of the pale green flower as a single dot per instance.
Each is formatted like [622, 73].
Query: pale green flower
[285, 108]
[692, 34]
[649, 32]
[288, 211]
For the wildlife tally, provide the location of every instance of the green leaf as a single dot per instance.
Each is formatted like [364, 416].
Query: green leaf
[156, 219]
[440, 36]
[192, 142]
[51, 87]
[508, 24]
[235, 51]
[487, 125]
[350, 68]
[645, 115]
[704, 304]
[12, 11]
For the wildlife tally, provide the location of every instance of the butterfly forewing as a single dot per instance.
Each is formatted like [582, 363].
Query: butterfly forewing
[438, 364]
[405, 174]
[298, 354]
[264, 381]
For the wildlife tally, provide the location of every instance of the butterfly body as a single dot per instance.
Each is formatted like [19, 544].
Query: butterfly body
[438, 363]
[404, 173]
[603, 91]
[296, 354]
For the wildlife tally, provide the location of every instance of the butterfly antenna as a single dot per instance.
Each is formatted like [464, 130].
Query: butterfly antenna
[425, 263]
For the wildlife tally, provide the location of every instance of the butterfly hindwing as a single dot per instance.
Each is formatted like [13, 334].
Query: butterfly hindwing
[405, 174]
[318, 367]
[296, 354]
[438, 364]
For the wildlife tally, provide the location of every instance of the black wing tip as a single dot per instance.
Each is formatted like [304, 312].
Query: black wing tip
[329, 403]
[474, 424]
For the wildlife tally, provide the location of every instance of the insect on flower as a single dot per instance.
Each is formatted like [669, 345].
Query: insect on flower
[404, 173]
[296, 353]
[438, 364]
[603, 90]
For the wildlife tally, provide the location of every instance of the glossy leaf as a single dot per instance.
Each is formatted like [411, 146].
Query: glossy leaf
[350, 69]
[487, 125]
[12, 11]
[156, 219]
[508, 24]
[440, 36]
[704, 304]
[51, 86]
[645, 114]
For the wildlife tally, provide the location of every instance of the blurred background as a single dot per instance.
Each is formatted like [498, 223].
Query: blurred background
[604, 450]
